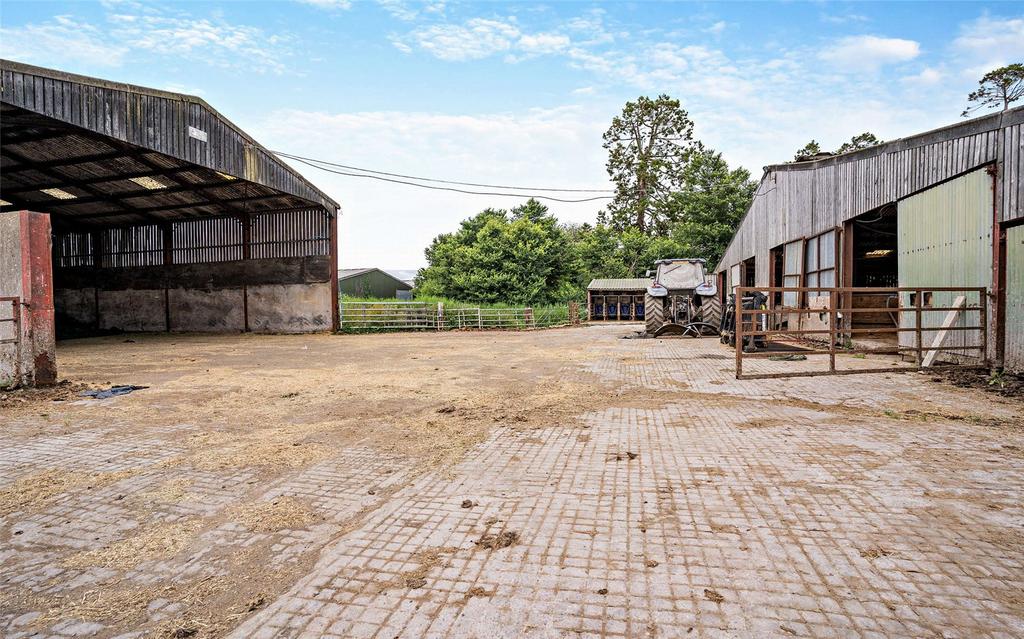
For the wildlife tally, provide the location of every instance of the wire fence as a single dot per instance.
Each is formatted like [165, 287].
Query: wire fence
[357, 317]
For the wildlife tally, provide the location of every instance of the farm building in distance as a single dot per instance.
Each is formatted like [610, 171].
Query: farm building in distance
[165, 216]
[617, 299]
[938, 209]
[372, 282]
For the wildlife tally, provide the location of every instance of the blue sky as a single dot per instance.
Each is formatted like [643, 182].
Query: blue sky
[519, 93]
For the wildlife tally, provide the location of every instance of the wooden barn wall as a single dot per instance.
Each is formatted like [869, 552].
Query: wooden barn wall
[158, 123]
[803, 200]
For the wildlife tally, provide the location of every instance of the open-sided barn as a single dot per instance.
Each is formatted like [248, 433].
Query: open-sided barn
[165, 215]
[938, 209]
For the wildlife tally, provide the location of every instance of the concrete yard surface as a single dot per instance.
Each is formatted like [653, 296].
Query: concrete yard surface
[559, 483]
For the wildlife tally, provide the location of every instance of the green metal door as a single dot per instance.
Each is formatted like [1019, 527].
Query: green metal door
[945, 239]
[1013, 358]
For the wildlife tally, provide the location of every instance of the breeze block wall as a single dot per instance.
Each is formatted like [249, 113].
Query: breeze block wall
[269, 273]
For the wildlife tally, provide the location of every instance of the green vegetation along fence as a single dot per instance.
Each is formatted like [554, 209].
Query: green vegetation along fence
[364, 316]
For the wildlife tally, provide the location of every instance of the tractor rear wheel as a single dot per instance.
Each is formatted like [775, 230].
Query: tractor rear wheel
[654, 313]
[711, 310]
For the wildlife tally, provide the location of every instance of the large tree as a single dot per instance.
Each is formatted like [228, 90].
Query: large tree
[713, 200]
[863, 141]
[998, 88]
[520, 256]
[648, 144]
[809, 150]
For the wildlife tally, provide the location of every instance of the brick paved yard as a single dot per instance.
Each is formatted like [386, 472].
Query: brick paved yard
[561, 483]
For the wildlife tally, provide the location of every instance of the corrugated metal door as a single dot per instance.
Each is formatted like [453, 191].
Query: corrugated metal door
[1014, 354]
[945, 239]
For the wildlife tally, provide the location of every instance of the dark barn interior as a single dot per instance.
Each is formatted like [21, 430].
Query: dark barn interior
[165, 215]
[875, 264]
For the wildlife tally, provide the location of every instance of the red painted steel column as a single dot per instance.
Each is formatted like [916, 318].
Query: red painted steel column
[38, 336]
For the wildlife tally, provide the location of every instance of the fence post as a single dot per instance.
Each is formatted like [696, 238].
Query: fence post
[919, 295]
[983, 324]
[738, 331]
[440, 316]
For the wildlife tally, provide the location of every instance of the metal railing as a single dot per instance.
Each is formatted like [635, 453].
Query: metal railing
[835, 332]
[408, 316]
[390, 316]
[15, 321]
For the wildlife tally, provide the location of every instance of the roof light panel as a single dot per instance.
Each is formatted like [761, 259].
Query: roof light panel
[147, 182]
[60, 194]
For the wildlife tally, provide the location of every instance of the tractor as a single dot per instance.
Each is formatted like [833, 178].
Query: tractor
[682, 300]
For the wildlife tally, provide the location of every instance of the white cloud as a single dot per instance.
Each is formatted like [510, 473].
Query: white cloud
[991, 42]
[329, 4]
[927, 77]
[51, 43]
[868, 52]
[590, 28]
[844, 18]
[717, 28]
[64, 40]
[584, 91]
[539, 147]
[543, 43]
[477, 38]
[409, 11]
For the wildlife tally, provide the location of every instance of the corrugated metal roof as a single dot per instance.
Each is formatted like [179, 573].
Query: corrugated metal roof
[619, 284]
[344, 273]
[347, 273]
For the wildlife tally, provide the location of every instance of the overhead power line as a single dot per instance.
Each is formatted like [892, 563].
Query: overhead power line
[324, 165]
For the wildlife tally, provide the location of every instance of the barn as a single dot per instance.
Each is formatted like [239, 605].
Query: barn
[889, 226]
[165, 216]
[373, 282]
[617, 298]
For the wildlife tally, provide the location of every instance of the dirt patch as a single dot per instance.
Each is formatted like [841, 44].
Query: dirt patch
[478, 591]
[713, 595]
[1004, 384]
[64, 390]
[280, 447]
[724, 528]
[424, 560]
[875, 553]
[172, 491]
[152, 543]
[501, 540]
[35, 491]
[283, 513]
[761, 422]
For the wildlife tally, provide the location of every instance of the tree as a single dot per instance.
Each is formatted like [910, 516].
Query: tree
[648, 144]
[713, 200]
[810, 149]
[520, 256]
[857, 142]
[998, 88]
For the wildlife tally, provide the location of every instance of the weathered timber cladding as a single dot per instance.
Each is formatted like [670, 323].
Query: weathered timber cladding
[803, 199]
[209, 276]
[155, 120]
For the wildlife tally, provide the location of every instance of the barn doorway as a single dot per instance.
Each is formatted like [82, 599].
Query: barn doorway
[748, 272]
[874, 262]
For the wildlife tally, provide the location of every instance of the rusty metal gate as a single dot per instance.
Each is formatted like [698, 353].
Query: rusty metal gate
[11, 336]
[822, 323]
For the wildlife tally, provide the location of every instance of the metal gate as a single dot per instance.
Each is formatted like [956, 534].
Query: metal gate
[821, 325]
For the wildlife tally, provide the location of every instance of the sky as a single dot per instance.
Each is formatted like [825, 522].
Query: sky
[519, 93]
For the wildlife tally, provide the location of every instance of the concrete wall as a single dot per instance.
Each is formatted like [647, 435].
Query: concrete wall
[26, 273]
[280, 295]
